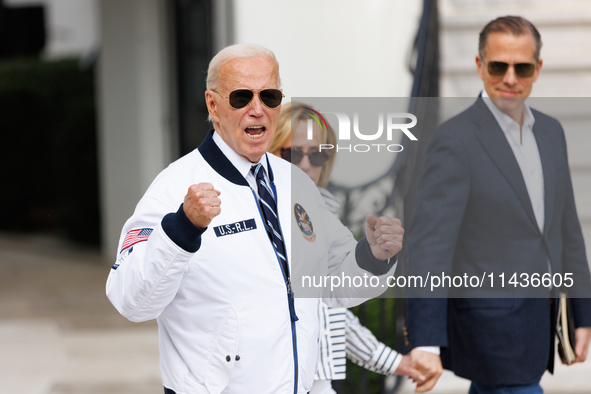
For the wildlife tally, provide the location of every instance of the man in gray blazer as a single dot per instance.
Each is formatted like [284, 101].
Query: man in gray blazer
[496, 192]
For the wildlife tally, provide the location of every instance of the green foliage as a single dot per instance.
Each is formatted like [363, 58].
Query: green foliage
[48, 149]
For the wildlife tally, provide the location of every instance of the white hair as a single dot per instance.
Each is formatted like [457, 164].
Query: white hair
[236, 51]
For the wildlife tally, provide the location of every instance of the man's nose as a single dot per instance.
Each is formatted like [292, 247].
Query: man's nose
[256, 105]
[510, 78]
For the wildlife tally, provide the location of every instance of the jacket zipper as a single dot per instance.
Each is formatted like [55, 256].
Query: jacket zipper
[287, 281]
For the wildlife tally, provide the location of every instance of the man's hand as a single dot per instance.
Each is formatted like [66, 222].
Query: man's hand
[405, 368]
[384, 236]
[582, 336]
[202, 204]
[429, 365]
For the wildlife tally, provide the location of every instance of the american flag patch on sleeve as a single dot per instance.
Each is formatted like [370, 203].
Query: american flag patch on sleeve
[135, 236]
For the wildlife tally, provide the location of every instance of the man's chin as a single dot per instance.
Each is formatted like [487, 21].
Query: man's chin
[254, 155]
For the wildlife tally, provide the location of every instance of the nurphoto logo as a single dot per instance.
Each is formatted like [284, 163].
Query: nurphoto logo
[392, 121]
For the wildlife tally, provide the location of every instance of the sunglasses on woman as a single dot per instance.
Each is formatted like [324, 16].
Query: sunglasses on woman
[240, 98]
[522, 70]
[317, 159]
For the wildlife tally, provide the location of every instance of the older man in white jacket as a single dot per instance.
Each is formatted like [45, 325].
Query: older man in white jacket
[211, 273]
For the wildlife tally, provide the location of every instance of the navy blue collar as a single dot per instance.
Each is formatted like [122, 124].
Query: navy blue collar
[220, 163]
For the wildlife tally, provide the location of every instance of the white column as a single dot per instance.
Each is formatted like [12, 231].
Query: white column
[135, 99]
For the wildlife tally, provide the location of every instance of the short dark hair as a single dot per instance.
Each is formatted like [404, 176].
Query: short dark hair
[515, 25]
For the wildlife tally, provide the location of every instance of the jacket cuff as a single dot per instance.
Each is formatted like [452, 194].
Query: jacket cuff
[366, 260]
[182, 231]
[581, 312]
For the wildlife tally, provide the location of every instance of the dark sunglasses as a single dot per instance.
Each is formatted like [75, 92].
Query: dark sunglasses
[317, 159]
[522, 70]
[240, 98]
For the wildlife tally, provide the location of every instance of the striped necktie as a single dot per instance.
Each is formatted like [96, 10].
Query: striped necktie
[269, 211]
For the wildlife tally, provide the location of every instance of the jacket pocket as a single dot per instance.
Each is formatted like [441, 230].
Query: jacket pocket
[223, 357]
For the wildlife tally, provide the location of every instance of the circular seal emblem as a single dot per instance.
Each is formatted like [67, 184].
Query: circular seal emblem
[304, 222]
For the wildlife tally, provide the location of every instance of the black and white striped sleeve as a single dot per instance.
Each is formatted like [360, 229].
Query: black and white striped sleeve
[365, 350]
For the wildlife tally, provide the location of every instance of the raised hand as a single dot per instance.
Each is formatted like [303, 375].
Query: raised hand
[384, 236]
[202, 204]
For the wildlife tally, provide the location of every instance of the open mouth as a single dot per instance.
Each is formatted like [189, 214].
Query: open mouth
[255, 132]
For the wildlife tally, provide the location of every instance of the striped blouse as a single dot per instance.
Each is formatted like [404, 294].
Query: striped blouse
[342, 336]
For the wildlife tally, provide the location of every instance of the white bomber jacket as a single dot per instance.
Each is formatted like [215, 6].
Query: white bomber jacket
[219, 295]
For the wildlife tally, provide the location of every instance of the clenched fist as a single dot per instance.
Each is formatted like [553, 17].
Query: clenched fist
[202, 204]
[384, 236]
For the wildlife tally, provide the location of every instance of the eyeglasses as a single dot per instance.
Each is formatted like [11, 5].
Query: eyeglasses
[522, 70]
[240, 98]
[317, 159]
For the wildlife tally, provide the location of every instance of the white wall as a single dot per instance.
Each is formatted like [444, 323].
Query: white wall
[326, 48]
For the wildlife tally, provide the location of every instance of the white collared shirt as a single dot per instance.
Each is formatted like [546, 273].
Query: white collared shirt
[242, 164]
[525, 149]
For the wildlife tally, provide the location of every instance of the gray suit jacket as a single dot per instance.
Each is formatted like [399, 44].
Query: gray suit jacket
[474, 215]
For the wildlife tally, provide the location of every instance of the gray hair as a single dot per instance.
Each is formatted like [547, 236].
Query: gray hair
[236, 51]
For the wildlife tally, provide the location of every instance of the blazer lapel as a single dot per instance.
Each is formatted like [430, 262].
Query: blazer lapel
[496, 145]
[545, 148]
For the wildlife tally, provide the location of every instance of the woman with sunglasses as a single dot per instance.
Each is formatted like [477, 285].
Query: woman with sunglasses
[305, 153]
[360, 345]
